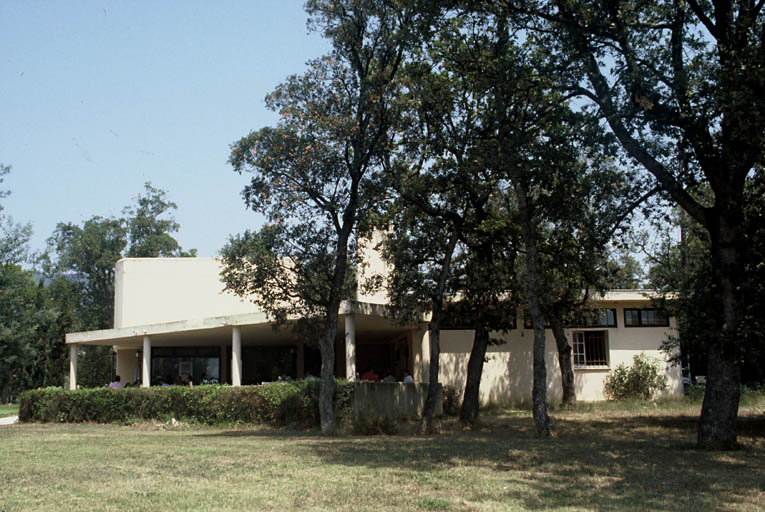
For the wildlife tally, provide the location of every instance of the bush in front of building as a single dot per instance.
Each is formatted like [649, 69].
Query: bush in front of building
[278, 403]
[640, 381]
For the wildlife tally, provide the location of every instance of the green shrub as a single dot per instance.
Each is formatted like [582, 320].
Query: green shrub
[641, 380]
[277, 403]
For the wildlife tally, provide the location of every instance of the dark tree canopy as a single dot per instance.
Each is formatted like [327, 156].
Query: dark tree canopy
[681, 85]
[314, 173]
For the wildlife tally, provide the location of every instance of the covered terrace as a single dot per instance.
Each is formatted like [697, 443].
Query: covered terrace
[244, 348]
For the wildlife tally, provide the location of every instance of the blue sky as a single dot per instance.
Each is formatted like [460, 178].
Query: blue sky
[97, 98]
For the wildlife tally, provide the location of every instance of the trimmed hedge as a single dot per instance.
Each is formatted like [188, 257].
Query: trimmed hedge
[277, 403]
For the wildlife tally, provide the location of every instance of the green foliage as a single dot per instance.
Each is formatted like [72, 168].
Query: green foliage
[150, 224]
[278, 403]
[88, 254]
[642, 380]
[80, 264]
[18, 317]
[683, 270]
[314, 174]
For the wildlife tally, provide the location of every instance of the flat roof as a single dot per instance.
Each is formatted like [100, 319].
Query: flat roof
[255, 328]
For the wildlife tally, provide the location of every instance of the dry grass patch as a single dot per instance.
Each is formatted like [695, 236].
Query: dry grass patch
[602, 458]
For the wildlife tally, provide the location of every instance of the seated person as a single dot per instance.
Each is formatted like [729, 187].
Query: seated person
[408, 378]
[370, 375]
[116, 384]
[389, 378]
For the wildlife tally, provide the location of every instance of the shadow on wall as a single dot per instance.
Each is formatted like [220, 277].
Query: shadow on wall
[507, 377]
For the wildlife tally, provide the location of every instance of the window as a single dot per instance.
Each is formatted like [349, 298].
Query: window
[167, 363]
[458, 317]
[590, 348]
[598, 317]
[648, 317]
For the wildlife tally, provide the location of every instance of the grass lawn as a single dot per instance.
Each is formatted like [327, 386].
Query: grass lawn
[603, 457]
[9, 410]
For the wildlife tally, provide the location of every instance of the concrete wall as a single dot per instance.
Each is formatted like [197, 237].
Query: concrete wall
[157, 290]
[128, 365]
[392, 399]
[507, 372]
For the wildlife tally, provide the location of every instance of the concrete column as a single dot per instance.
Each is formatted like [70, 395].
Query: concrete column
[421, 350]
[236, 357]
[72, 366]
[146, 363]
[223, 365]
[300, 360]
[350, 347]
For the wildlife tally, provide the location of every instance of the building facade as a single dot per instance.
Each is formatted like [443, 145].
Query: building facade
[173, 319]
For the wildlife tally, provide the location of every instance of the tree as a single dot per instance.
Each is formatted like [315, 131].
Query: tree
[17, 325]
[419, 250]
[680, 266]
[313, 174]
[148, 232]
[80, 262]
[681, 86]
[28, 354]
[14, 238]
[439, 171]
[573, 246]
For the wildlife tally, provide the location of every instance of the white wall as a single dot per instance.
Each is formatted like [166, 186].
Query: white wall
[507, 372]
[157, 290]
[127, 365]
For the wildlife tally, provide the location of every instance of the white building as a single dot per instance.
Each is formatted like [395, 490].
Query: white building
[172, 317]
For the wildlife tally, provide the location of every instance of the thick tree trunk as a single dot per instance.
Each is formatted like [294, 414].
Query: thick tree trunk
[327, 383]
[471, 398]
[717, 424]
[539, 390]
[484, 255]
[564, 361]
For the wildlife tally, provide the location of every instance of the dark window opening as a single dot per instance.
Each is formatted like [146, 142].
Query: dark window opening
[590, 348]
[647, 317]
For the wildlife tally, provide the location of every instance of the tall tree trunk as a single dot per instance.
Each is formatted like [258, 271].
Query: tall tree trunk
[327, 382]
[434, 336]
[539, 391]
[564, 360]
[471, 398]
[717, 424]
[327, 339]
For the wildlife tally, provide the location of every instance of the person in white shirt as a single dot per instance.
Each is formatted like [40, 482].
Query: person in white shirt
[116, 384]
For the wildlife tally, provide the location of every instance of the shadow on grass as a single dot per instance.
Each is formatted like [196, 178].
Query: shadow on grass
[632, 462]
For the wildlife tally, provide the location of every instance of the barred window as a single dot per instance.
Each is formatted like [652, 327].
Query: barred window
[590, 348]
